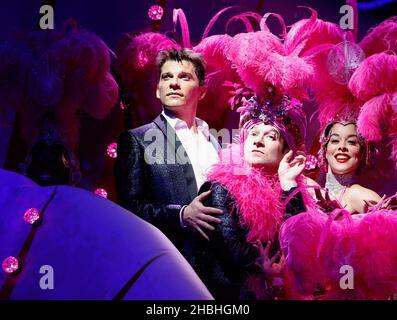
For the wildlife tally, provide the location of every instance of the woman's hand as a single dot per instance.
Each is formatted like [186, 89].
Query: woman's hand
[268, 265]
[289, 169]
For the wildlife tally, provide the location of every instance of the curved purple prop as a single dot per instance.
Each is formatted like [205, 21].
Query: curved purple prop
[97, 249]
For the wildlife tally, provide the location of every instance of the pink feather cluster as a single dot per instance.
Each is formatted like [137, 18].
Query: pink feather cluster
[299, 239]
[67, 71]
[369, 93]
[381, 38]
[136, 57]
[376, 75]
[138, 73]
[218, 70]
[254, 194]
[376, 83]
[316, 249]
[261, 58]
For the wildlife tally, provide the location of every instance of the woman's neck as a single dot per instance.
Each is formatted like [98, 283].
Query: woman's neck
[337, 182]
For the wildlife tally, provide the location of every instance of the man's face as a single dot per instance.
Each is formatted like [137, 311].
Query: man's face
[178, 86]
[263, 147]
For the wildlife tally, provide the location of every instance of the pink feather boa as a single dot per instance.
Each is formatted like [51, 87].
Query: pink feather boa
[257, 196]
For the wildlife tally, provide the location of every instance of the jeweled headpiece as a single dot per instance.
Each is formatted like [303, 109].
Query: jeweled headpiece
[283, 112]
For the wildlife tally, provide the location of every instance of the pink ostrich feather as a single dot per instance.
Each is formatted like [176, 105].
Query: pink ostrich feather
[381, 38]
[82, 51]
[260, 59]
[375, 258]
[218, 71]
[354, 241]
[374, 117]
[322, 32]
[299, 239]
[376, 75]
[298, 36]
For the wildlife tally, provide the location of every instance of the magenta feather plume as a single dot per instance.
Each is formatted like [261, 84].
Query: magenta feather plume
[136, 58]
[260, 59]
[354, 242]
[374, 117]
[375, 259]
[376, 75]
[218, 71]
[322, 32]
[299, 239]
[381, 38]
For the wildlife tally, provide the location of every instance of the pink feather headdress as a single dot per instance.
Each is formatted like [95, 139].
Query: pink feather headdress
[285, 114]
[356, 83]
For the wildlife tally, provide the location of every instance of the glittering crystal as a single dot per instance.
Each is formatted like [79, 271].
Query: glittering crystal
[101, 192]
[10, 264]
[155, 12]
[31, 215]
[343, 60]
[112, 150]
[311, 162]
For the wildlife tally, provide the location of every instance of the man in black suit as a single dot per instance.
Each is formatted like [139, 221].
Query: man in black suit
[160, 166]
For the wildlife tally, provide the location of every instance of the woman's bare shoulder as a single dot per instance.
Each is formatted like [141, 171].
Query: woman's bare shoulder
[362, 192]
[361, 198]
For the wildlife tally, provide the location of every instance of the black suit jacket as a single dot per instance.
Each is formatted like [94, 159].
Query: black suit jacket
[154, 178]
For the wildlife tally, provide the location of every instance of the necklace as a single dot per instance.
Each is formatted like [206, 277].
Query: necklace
[336, 182]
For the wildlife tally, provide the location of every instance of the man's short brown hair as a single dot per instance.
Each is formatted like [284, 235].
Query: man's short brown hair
[183, 54]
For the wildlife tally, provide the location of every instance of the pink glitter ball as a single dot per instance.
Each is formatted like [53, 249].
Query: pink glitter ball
[101, 192]
[10, 264]
[112, 150]
[311, 162]
[31, 215]
[155, 12]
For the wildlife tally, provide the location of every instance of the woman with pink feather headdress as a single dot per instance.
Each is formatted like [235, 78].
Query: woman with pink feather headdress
[354, 88]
